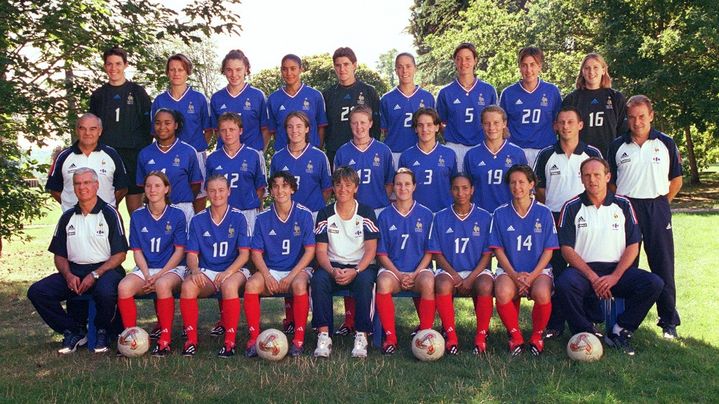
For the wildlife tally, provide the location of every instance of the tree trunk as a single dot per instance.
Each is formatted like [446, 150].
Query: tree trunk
[690, 156]
[71, 106]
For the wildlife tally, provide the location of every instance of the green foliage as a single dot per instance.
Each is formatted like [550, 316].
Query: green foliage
[385, 67]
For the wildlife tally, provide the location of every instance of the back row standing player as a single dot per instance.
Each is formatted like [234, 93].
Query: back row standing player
[341, 98]
[124, 108]
[398, 106]
[196, 129]
[602, 109]
[461, 102]
[242, 98]
[295, 96]
[531, 105]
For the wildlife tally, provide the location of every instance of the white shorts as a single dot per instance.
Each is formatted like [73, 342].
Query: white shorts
[531, 155]
[460, 150]
[187, 209]
[465, 274]
[395, 160]
[395, 276]
[280, 275]
[180, 271]
[251, 217]
[211, 275]
[202, 161]
[545, 271]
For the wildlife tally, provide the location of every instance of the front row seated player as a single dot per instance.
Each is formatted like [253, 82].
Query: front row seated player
[346, 235]
[403, 254]
[158, 235]
[600, 237]
[218, 246]
[283, 246]
[459, 241]
[523, 238]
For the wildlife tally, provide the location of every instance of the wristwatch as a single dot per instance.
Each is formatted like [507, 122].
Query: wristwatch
[95, 275]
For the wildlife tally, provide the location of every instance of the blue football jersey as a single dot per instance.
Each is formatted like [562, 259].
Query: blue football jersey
[157, 238]
[180, 165]
[245, 171]
[461, 110]
[218, 244]
[251, 105]
[488, 170]
[396, 111]
[524, 239]
[308, 100]
[404, 239]
[374, 168]
[195, 111]
[462, 242]
[312, 172]
[530, 114]
[282, 243]
[433, 172]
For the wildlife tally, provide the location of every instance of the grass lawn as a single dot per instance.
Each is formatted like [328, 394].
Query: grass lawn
[662, 371]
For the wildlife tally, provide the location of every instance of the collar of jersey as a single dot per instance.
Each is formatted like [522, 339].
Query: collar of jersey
[95, 209]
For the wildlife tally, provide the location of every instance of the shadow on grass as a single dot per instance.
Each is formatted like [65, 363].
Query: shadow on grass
[662, 371]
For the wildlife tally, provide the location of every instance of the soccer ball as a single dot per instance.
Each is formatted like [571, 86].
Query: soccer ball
[585, 347]
[133, 342]
[271, 345]
[428, 345]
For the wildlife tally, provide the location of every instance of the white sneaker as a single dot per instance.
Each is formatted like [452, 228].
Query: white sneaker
[360, 348]
[324, 346]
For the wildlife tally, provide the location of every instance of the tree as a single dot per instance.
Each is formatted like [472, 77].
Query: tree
[385, 66]
[50, 60]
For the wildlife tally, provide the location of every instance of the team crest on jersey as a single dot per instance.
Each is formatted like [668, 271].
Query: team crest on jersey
[244, 166]
[581, 222]
[176, 161]
[545, 100]
[71, 230]
[508, 162]
[419, 227]
[306, 105]
[100, 231]
[231, 232]
[440, 161]
[190, 109]
[480, 100]
[310, 168]
[554, 170]
[609, 104]
[475, 229]
[296, 229]
[537, 227]
[168, 228]
[130, 99]
[421, 103]
[376, 160]
[615, 225]
[248, 104]
[360, 99]
[624, 158]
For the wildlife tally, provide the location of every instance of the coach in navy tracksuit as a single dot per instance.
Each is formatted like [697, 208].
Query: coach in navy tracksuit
[89, 245]
[599, 235]
[646, 167]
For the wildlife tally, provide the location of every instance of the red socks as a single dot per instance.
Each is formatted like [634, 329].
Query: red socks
[289, 312]
[445, 308]
[128, 311]
[350, 311]
[508, 313]
[425, 310]
[300, 307]
[540, 318]
[385, 308]
[230, 319]
[190, 315]
[165, 316]
[483, 311]
[252, 315]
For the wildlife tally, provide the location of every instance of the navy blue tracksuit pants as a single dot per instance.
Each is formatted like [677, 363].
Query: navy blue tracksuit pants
[639, 289]
[655, 222]
[47, 294]
[362, 289]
